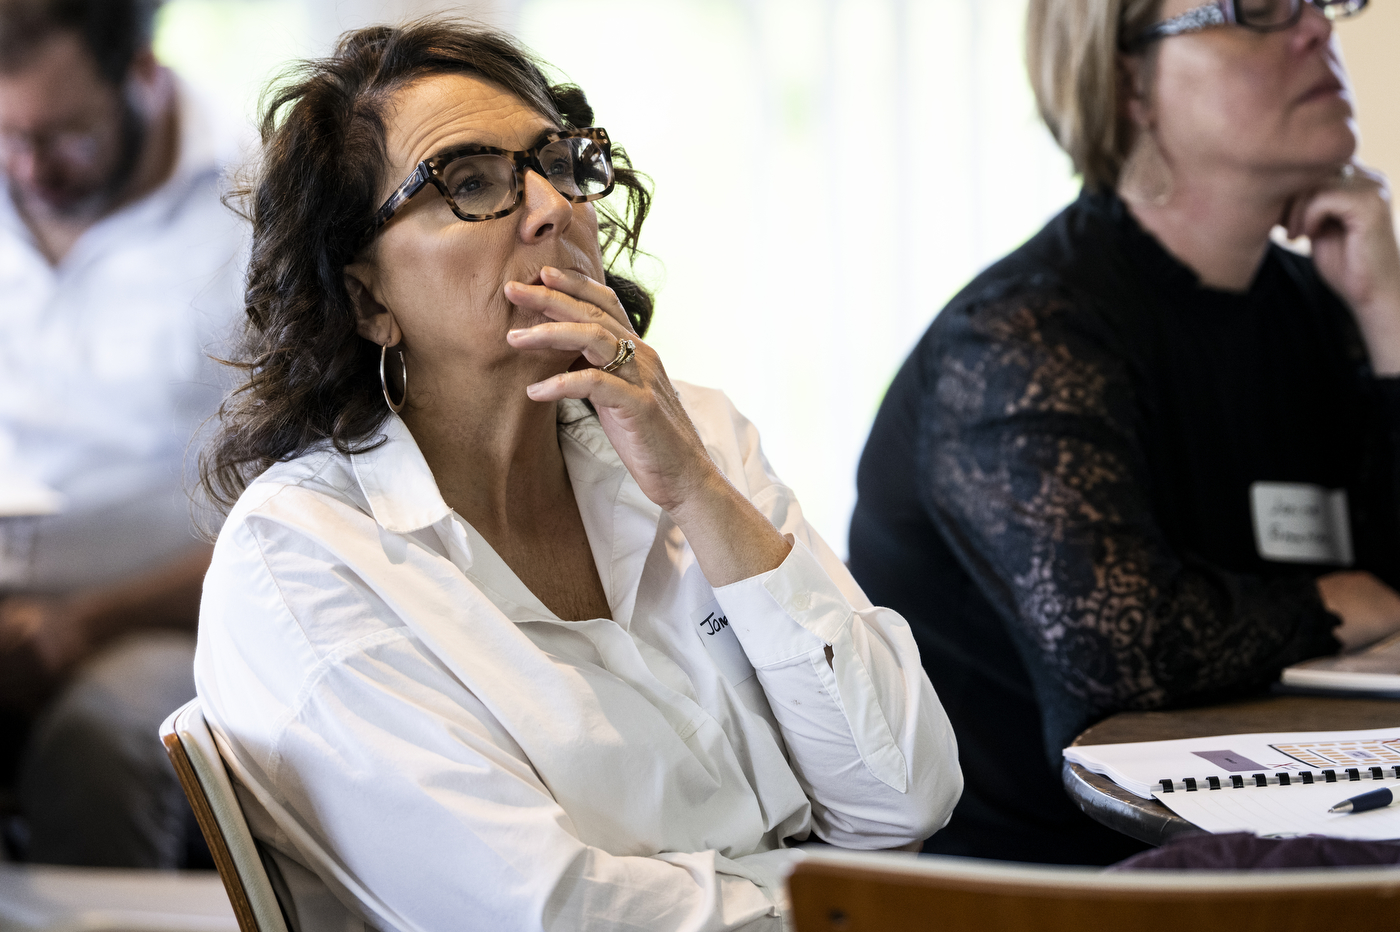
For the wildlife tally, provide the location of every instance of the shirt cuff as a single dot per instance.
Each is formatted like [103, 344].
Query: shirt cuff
[788, 612]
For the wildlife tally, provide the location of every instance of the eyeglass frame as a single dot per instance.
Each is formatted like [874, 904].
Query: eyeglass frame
[1227, 13]
[55, 145]
[428, 172]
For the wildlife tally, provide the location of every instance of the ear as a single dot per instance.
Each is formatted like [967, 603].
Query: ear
[1134, 81]
[374, 321]
[144, 86]
[144, 66]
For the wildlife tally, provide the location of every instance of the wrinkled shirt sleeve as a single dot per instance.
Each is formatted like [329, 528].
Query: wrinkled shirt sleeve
[866, 734]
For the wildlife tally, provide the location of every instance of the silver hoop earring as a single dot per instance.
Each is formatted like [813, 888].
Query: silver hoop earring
[384, 383]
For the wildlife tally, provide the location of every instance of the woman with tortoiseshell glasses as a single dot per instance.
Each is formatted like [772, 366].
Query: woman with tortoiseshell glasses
[505, 629]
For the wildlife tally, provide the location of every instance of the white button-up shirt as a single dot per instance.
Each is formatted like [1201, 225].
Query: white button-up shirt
[415, 734]
[104, 377]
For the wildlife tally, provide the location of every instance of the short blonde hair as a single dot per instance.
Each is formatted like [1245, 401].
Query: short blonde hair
[1072, 49]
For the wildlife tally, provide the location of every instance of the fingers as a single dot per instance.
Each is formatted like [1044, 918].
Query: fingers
[1347, 201]
[589, 318]
[571, 296]
[597, 343]
[585, 289]
[604, 389]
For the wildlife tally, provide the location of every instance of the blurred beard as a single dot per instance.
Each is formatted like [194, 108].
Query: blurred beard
[97, 202]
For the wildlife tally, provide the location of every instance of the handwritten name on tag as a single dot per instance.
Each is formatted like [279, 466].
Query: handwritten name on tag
[1299, 523]
[721, 642]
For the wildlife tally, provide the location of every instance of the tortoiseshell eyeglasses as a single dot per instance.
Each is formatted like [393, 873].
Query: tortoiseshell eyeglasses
[483, 182]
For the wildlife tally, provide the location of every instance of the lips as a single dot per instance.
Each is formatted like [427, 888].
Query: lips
[1327, 87]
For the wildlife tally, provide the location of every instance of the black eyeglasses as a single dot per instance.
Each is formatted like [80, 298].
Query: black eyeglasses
[483, 182]
[1259, 15]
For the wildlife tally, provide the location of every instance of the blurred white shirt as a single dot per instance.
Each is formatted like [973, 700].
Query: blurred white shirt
[104, 378]
[425, 746]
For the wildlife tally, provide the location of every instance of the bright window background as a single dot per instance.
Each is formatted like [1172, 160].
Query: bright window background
[827, 174]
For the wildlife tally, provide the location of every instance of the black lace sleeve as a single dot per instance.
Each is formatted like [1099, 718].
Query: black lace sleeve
[1034, 473]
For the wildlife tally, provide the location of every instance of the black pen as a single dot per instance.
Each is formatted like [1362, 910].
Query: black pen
[1376, 799]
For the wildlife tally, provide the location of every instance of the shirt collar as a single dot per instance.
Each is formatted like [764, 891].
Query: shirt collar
[578, 422]
[403, 495]
[1168, 273]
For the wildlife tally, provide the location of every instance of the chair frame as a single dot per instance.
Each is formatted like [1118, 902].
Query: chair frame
[195, 755]
[853, 892]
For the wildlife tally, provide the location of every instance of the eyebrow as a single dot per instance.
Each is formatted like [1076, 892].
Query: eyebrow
[538, 141]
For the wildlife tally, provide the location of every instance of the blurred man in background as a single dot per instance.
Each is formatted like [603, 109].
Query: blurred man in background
[118, 273]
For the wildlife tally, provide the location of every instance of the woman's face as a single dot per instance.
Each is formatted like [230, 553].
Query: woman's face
[442, 279]
[1233, 99]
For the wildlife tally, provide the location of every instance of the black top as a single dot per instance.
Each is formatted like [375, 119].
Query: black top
[1056, 495]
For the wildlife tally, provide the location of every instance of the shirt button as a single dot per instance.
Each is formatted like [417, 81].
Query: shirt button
[801, 601]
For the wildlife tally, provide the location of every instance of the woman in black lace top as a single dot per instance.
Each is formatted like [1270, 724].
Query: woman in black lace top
[1116, 473]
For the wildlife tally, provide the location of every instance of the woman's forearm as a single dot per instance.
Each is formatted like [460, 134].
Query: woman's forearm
[731, 539]
[1380, 329]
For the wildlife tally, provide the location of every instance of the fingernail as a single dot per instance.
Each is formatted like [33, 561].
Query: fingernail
[534, 389]
[511, 334]
[549, 270]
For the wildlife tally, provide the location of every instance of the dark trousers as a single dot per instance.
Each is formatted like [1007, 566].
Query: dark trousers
[92, 783]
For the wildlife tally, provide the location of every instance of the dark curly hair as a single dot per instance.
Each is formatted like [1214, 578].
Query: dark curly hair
[310, 377]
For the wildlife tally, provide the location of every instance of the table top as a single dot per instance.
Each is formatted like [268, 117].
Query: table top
[1150, 821]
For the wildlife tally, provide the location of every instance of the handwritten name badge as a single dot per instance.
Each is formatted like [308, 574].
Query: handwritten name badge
[1299, 523]
[721, 642]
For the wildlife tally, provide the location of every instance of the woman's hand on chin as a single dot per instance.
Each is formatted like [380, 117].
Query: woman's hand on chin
[643, 418]
[1352, 230]
[636, 403]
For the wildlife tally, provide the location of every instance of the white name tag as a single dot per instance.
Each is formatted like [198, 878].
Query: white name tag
[1299, 523]
[721, 642]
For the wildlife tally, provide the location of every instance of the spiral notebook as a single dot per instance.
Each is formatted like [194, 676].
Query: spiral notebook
[1269, 784]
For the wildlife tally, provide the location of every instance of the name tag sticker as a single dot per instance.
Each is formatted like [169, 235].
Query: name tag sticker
[1299, 523]
[721, 642]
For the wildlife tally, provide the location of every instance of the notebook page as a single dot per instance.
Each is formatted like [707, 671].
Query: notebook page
[1283, 811]
[1138, 767]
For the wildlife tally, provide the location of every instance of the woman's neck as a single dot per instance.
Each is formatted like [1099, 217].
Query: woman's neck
[494, 453]
[1217, 226]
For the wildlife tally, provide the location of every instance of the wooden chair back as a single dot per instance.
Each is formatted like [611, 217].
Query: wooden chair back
[192, 750]
[902, 893]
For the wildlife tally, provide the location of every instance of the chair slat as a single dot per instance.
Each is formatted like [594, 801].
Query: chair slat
[204, 777]
[209, 826]
[829, 895]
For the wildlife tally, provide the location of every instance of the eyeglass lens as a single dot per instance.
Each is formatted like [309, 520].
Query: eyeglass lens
[1266, 12]
[486, 184]
[1269, 13]
[73, 148]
